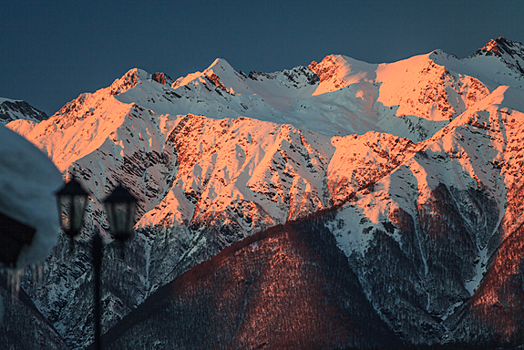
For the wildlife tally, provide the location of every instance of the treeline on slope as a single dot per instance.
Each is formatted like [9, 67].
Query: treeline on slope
[495, 313]
[432, 250]
[286, 287]
[493, 318]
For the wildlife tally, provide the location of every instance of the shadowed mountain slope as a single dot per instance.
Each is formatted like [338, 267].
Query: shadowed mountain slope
[287, 287]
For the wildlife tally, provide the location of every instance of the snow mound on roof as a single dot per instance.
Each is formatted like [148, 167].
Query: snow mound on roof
[28, 181]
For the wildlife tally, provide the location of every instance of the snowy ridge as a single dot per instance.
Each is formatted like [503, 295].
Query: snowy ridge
[4, 99]
[362, 97]
[510, 52]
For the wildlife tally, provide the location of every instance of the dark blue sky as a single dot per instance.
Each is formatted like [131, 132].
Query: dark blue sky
[51, 51]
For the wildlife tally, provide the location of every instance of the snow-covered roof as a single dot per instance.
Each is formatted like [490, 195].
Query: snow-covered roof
[28, 181]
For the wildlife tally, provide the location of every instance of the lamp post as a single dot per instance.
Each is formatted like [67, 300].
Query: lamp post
[120, 206]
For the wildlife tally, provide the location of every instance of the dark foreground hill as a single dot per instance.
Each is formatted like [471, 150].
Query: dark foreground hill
[287, 287]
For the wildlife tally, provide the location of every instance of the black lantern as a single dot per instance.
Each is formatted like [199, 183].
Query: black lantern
[120, 207]
[73, 198]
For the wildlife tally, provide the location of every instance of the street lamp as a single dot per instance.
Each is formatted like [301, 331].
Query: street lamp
[120, 206]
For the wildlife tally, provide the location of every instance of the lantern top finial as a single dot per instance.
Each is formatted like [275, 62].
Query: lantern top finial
[120, 195]
[72, 188]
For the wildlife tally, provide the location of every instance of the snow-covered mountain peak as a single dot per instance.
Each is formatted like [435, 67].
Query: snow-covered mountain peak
[219, 73]
[297, 78]
[337, 71]
[510, 53]
[492, 47]
[220, 64]
[438, 54]
[129, 80]
[502, 46]
[223, 76]
[419, 87]
[162, 78]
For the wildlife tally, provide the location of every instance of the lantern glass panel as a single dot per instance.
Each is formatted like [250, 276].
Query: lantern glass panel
[64, 207]
[79, 208]
[121, 217]
[120, 207]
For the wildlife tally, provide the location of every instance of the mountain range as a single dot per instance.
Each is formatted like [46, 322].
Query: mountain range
[338, 205]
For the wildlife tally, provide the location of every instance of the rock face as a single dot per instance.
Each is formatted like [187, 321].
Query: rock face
[417, 163]
[162, 78]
